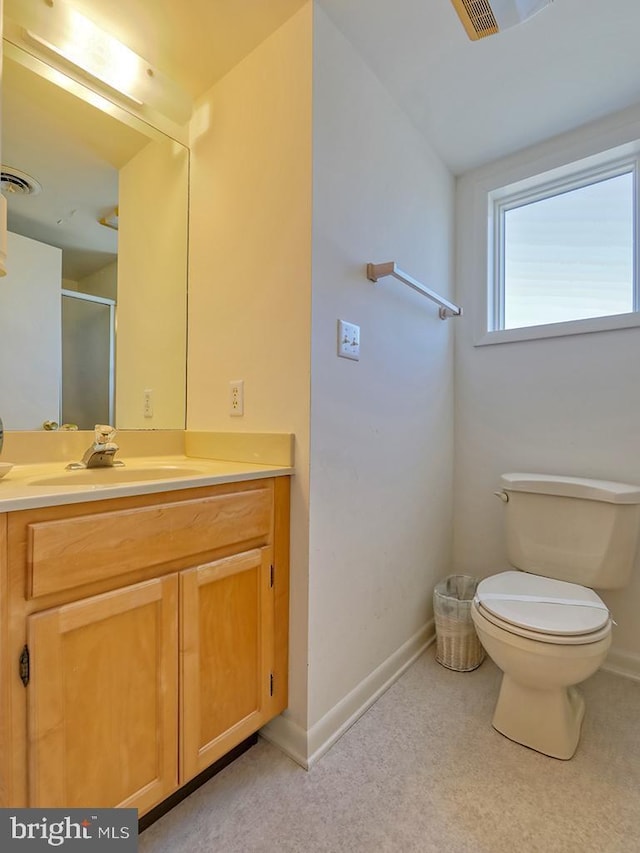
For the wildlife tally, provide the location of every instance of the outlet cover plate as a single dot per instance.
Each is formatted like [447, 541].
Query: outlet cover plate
[236, 398]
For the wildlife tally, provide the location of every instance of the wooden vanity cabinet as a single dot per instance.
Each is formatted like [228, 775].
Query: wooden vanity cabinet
[152, 634]
[102, 698]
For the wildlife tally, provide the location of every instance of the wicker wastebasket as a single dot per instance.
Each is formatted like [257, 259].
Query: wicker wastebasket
[457, 644]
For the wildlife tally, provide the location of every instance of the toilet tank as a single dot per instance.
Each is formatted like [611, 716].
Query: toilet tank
[572, 529]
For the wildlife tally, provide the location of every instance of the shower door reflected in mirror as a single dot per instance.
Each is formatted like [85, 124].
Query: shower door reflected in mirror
[87, 359]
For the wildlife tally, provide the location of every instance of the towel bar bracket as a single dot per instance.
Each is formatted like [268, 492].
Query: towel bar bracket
[446, 309]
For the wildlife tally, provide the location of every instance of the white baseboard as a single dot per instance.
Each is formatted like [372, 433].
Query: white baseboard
[306, 747]
[623, 663]
[288, 737]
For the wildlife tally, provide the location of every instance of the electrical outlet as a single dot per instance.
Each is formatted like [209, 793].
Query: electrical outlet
[348, 340]
[148, 403]
[236, 398]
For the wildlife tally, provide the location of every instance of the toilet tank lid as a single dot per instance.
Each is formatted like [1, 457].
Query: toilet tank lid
[572, 487]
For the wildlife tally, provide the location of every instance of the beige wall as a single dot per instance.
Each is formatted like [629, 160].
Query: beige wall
[151, 313]
[250, 275]
[381, 433]
[103, 282]
[377, 505]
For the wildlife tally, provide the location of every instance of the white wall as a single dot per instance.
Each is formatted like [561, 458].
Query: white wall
[381, 428]
[250, 273]
[568, 405]
[30, 369]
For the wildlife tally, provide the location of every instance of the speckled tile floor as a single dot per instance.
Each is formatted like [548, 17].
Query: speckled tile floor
[423, 770]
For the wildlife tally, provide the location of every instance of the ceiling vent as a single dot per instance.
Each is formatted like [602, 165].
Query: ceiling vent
[15, 182]
[482, 18]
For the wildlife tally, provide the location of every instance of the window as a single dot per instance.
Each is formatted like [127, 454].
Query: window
[563, 252]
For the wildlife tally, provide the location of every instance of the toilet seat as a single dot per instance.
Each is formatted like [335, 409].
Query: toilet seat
[543, 609]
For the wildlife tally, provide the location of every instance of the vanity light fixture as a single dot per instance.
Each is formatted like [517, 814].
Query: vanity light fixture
[63, 37]
[482, 18]
[78, 41]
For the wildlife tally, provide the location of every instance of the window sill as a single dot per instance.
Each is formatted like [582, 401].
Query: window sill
[559, 330]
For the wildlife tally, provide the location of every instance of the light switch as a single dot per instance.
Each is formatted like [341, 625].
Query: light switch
[348, 340]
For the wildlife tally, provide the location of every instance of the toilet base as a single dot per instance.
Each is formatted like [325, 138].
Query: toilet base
[548, 721]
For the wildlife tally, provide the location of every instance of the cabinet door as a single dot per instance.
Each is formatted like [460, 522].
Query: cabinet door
[227, 655]
[102, 699]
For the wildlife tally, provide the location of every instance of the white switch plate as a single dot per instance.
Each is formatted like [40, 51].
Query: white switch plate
[236, 398]
[348, 340]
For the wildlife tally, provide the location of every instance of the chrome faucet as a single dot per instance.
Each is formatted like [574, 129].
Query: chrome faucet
[101, 452]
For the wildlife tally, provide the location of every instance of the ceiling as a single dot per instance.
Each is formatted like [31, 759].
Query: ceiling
[195, 42]
[577, 60]
[78, 165]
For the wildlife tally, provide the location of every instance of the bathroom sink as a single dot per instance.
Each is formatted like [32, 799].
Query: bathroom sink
[111, 476]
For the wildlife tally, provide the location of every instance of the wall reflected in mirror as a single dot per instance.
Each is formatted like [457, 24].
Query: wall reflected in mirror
[93, 307]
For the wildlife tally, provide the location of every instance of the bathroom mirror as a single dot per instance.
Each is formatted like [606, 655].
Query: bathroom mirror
[93, 307]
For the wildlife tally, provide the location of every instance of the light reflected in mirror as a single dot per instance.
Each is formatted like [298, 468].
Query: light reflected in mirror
[92, 316]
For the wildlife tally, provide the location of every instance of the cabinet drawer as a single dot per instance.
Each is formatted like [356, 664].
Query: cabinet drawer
[68, 552]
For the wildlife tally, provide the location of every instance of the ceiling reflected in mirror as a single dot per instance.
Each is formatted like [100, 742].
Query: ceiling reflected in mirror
[75, 171]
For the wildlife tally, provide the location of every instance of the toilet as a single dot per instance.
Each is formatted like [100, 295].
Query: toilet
[542, 624]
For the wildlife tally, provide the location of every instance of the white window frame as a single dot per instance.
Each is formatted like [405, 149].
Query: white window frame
[619, 161]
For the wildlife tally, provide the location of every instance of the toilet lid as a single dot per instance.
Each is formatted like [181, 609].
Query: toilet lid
[542, 605]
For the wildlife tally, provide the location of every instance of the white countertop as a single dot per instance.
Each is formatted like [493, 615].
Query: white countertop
[22, 488]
